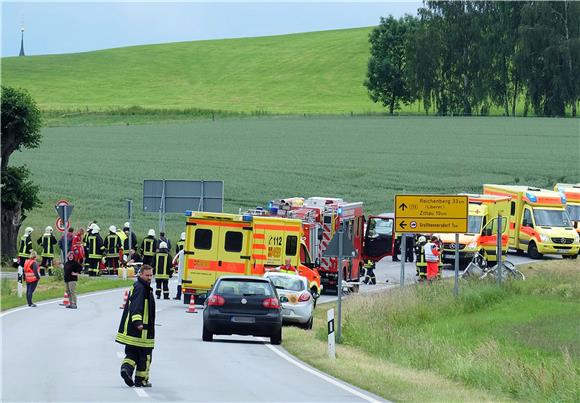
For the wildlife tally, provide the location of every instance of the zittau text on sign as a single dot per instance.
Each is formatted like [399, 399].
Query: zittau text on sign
[431, 213]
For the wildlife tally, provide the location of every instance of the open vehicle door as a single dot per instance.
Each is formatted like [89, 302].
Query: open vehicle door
[379, 238]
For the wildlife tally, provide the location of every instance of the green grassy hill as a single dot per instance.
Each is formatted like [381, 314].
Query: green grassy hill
[317, 72]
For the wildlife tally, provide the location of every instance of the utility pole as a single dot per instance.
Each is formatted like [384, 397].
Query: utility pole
[22, 42]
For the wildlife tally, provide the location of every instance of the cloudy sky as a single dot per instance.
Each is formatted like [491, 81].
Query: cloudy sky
[67, 27]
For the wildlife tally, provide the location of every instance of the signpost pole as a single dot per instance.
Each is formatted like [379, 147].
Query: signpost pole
[499, 235]
[129, 243]
[403, 258]
[65, 235]
[456, 280]
[339, 267]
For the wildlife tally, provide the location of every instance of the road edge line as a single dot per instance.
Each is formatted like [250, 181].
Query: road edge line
[291, 359]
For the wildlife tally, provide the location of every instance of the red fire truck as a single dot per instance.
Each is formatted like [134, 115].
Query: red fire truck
[321, 218]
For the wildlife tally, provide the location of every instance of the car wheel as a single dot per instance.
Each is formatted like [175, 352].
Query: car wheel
[519, 252]
[574, 256]
[186, 299]
[276, 338]
[206, 335]
[533, 251]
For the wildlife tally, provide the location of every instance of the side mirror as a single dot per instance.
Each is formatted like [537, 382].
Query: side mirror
[315, 295]
[317, 262]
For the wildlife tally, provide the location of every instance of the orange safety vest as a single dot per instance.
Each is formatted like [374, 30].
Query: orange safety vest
[28, 272]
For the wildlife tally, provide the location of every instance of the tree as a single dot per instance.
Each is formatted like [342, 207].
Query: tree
[386, 79]
[20, 128]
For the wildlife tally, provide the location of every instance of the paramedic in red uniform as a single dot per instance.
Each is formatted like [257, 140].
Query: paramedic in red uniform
[432, 257]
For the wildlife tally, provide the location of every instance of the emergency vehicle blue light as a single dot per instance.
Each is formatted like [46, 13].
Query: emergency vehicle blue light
[188, 213]
[563, 198]
[247, 217]
[531, 197]
[340, 211]
[270, 204]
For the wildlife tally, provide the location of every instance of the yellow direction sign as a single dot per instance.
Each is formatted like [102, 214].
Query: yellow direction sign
[431, 213]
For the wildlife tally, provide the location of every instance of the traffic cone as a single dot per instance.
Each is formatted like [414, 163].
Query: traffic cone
[124, 299]
[65, 301]
[191, 308]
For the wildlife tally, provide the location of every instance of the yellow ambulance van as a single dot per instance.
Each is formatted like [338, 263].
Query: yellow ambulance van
[572, 194]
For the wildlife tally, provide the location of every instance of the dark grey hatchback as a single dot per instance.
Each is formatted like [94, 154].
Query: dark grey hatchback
[243, 305]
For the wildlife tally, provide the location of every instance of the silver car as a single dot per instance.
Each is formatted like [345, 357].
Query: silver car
[297, 301]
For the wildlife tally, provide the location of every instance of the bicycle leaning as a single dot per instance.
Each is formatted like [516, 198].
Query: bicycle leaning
[478, 268]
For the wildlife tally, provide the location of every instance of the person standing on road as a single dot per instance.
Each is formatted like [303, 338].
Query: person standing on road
[409, 247]
[421, 264]
[432, 257]
[162, 270]
[179, 261]
[163, 238]
[78, 247]
[149, 247]
[397, 248]
[369, 271]
[31, 276]
[95, 250]
[137, 330]
[72, 269]
[113, 246]
[130, 237]
[47, 242]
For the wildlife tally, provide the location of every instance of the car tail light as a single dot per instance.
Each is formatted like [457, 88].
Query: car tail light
[305, 296]
[271, 303]
[216, 300]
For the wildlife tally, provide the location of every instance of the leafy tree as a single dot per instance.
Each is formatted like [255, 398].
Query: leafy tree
[386, 79]
[20, 128]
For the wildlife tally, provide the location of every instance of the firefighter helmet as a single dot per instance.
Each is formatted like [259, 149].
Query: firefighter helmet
[182, 237]
[28, 230]
[48, 230]
[151, 232]
[95, 229]
[162, 245]
[112, 228]
[422, 239]
[126, 225]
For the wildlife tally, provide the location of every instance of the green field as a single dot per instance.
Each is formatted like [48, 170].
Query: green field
[317, 72]
[517, 342]
[367, 159]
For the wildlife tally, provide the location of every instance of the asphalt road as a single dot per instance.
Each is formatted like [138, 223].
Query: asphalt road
[54, 354]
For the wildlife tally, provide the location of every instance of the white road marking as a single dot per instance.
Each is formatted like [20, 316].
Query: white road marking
[140, 392]
[10, 311]
[321, 375]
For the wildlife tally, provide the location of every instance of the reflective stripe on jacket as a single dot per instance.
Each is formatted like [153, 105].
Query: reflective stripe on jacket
[148, 246]
[162, 262]
[25, 246]
[431, 255]
[139, 310]
[29, 275]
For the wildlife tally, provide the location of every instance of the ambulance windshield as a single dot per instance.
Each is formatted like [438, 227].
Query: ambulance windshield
[551, 218]
[474, 224]
[573, 212]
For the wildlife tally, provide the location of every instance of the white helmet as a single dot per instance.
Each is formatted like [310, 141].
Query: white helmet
[151, 232]
[126, 225]
[48, 230]
[112, 228]
[28, 230]
[91, 226]
[422, 239]
[95, 229]
[162, 245]
[182, 237]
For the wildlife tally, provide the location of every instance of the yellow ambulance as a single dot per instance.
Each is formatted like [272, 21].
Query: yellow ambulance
[481, 235]
[218, 244]
[538, 221]
[572, 194]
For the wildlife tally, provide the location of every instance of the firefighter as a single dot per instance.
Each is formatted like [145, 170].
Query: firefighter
[149, 247]
[421, 263]
[47, 242]
[163, 271]
[163, 238]
[409, 247]
[137, 330]
[133, 239]
[25, 246]
[86, 243]
[113, 246]
[180, 244]
[397, 248]
[95, 250]
[369, 269]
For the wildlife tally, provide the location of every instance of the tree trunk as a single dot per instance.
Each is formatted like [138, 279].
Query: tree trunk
[392, 105]
[574, 108]
[515, 99]
[11, 222]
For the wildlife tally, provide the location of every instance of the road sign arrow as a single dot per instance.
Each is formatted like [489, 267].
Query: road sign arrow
[403, 206]
[402, 224]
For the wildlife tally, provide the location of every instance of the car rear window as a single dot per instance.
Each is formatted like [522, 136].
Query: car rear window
[287, 283]
[244, 288]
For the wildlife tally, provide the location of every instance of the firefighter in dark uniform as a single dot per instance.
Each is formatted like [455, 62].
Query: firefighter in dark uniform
[397, 250]
[369, 277]
[421, 263]
[137, 330]
[149, 248]
[86, 236]
[95, 250]
[130, 237]
[112, 248]
[47, 242]
[163, 271]
[25, 246]
[180, 244]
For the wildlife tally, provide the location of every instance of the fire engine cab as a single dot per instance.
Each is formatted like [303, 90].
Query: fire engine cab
[321, 218]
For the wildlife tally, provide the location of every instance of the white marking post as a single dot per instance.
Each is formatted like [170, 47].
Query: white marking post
[331, 340]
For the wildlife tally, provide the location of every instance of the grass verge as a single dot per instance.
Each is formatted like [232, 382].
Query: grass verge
[519, 342]
[52, 287]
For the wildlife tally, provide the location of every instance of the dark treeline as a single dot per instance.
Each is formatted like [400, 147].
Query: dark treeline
[463, 57]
